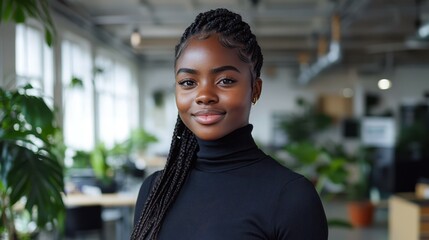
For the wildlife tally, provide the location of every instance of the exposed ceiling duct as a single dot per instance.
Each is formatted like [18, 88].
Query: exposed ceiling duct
[418, 40]
[324, 60]
[285, 29]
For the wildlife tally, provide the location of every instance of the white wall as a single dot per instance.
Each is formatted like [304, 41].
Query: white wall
[158, 120]
[279, 92]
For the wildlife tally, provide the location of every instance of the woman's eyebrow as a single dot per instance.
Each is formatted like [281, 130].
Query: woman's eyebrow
[186, 70]
[214, 70]
[225, 68]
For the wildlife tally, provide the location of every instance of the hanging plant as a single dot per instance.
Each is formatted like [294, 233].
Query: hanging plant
[158, 98]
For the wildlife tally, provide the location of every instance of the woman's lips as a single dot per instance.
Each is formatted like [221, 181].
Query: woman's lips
[208, 117]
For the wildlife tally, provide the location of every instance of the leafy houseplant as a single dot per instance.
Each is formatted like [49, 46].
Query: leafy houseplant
[322, 166]
[131, 152]
[30, 169]
[103, 172]
[303, 125]
[360, 208]
[318, 164]
[139, 140]
[104, 162]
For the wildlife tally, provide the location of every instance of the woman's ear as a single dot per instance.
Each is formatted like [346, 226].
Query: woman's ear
[256, 90]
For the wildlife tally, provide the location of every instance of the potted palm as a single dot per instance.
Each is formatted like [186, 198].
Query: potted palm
[31, 173]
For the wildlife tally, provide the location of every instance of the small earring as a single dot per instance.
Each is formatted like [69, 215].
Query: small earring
[254, 100]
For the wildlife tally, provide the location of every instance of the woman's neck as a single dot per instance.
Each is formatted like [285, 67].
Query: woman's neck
[231, 151]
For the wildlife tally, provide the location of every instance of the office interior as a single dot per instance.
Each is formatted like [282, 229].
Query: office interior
[356, 72]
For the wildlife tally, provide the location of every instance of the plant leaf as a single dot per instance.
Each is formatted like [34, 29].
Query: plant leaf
[36, 112]
[304, 152]
[19, 15]
[48, 37]
[28, 167]
[7, 11]
[28, 175]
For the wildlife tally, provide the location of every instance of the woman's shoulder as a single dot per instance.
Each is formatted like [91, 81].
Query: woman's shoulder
[152, 176]
[149, 181]
[144, 193]
[280, 173]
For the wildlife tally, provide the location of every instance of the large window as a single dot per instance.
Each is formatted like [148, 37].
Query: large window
[104, 108]
[116, 99]
[78, 101]
[34, 60]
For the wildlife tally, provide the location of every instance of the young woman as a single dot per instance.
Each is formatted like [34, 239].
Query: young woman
[216, 183]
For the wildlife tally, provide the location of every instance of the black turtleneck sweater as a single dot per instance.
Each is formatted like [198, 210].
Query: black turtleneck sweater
[235, 191]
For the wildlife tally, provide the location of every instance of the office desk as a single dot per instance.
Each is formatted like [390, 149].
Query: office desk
[124, 202]
[105, 200]
[408, 217]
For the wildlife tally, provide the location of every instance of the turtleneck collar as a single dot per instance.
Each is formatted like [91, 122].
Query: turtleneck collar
[235, 150]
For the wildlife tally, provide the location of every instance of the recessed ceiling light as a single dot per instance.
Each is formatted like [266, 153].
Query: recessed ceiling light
[384, 84]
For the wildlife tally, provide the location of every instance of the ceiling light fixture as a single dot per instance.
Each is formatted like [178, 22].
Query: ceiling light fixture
[136, 38]
[347, 92]
[384, 84]
[423, 31]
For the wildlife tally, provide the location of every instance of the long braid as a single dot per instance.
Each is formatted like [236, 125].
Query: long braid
[167, 185]
[233, 33]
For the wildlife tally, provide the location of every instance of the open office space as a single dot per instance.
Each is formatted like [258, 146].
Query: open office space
[344, 102]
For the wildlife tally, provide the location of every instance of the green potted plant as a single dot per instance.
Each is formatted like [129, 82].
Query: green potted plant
[103, 170]
[92, 168]
[305, 123]
[81, 159]
[31, 171]
[134, 148]
[360, 209]
[324, 167]
[139, 140]
[318, 164]
[30, 141]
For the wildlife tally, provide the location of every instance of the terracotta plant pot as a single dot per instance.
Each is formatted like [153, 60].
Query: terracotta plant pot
[361, 213]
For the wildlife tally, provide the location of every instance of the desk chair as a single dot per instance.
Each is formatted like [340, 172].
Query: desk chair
[83, 220]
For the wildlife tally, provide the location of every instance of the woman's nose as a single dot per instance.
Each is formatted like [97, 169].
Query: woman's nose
[206, 95]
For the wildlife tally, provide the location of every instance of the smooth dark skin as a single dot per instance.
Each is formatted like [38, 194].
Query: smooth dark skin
[214, 89]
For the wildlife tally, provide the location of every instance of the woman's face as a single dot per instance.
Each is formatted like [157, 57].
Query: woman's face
[213, 88]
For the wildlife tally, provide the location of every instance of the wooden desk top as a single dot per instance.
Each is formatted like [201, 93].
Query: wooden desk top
[105, 200]
[411, 197]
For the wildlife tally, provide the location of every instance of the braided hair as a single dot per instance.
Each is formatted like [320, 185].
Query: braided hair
[233, 33]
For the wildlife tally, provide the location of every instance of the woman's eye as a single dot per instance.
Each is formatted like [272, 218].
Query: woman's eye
[187, 83]
[226, 81]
